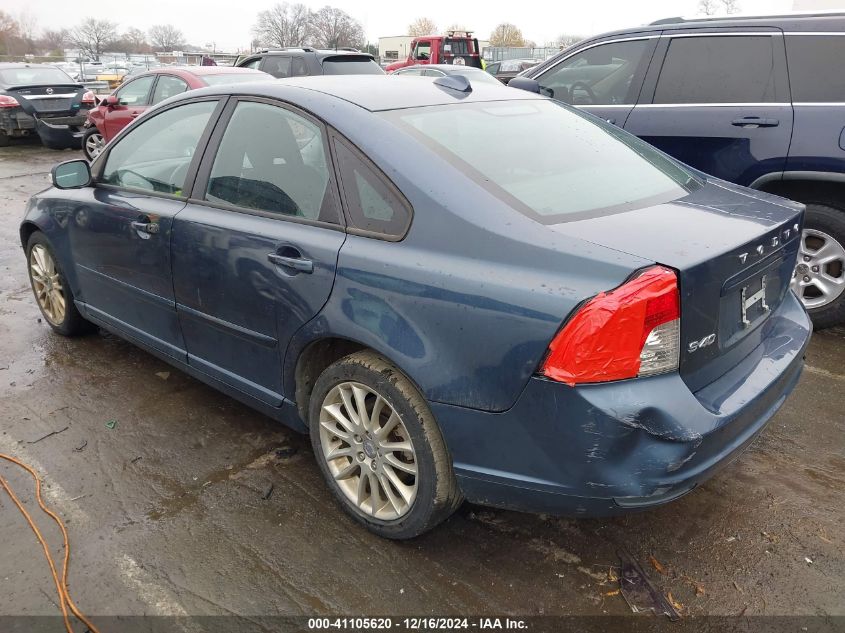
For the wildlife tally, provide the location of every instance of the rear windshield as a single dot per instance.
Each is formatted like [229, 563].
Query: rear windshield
[33, 76]
[547, 160]
[351, 65]
[233, 78]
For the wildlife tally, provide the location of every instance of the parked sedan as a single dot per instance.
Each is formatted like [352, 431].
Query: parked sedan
[586, 329]
[42, 100]
[475, 75]
[507, 69]
[146, 89]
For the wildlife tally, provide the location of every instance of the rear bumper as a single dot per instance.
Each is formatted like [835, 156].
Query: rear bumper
[58, 128]
[605, 449]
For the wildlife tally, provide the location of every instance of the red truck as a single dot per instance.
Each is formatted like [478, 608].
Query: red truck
[456, 47]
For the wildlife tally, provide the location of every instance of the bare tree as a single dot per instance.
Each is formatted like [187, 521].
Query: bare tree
[166, 37]
[136, 40]
[334, 28]
[54, 40]
[282, 25]
[564, 40]
[506, 34]
[422, 26]
[93, 36]
[731, 6]
[708, 7]
[9, 33]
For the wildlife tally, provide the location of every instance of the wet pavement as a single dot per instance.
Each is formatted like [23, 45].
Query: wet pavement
[166, 515]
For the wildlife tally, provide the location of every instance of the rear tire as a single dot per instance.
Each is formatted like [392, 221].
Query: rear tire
[401, 508]
[824, 228]
[51, 289]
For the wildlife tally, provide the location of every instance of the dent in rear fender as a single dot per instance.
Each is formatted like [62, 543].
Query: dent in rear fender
[467, 331]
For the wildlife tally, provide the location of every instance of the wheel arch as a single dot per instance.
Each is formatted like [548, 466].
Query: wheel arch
[27, 228]
[805, 186]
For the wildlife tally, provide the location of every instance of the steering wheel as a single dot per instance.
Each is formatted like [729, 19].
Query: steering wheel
[140, 182]
[582, 85]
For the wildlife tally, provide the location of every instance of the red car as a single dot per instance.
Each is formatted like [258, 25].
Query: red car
[145, 90]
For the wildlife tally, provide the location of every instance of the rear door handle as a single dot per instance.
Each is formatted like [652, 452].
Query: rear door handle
[299, 264]
[755, 121]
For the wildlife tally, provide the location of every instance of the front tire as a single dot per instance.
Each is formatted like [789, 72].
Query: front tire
[51, 289]
[92, 143]
[819, 277]
[380, 449]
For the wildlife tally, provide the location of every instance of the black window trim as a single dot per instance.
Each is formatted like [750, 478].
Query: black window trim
[336, 137]
[210, 154]
[99, 164]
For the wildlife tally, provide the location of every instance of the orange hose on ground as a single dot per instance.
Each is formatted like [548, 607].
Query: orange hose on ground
[65, 601]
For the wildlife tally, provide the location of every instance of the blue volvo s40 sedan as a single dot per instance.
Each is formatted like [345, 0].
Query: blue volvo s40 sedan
[460, 292]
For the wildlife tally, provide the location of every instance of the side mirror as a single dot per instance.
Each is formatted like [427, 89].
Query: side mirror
[72, 174]
[524, 83]
[111, 100]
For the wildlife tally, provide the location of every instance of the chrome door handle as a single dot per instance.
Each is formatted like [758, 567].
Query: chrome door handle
[146, 227]
[754, 121]
[296, 263]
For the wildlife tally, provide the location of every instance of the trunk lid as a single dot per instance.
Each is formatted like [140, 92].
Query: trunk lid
[48, 99]
[734, 250]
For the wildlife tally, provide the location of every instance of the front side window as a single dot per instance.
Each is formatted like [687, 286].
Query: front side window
[155, 155]
[815, 68]
[253, 64]
[422, 50]
[166, 87]
[273, 160]
[601, 75]
[549, 161]
[135, 93]
[727, 69]
[298, 67]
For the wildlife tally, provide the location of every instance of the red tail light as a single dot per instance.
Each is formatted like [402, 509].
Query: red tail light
[89, 99]
[633, 330]
[8, 102]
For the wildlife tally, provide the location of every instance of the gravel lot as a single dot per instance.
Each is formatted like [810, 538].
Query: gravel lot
[166, 515]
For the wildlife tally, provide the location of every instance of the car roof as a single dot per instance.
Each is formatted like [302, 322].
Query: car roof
[199, 71]
[809, 21]
[447, 67]
[388, 92]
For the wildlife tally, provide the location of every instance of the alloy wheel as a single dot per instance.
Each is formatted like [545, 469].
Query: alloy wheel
[368, 451]
[94, 144]
[819, 276]
[47, 284]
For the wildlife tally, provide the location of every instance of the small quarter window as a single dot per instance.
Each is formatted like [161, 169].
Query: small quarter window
[815, 68]
[373, 205]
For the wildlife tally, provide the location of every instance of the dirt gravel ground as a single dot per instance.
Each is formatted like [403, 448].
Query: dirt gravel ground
[166, 515]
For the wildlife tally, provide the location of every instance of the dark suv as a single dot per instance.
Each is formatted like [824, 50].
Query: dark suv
[759, 101]
[306, 61]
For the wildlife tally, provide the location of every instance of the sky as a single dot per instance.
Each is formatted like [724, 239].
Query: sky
[228, 25]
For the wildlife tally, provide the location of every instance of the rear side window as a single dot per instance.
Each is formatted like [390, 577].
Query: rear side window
[271, 159]
[373, 205]
[727, 69]
[815, 68]
[168, 86]
[351, 65]
[277, 66]
[298, 67]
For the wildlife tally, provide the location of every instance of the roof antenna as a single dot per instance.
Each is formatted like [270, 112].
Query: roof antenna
[454, 82]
